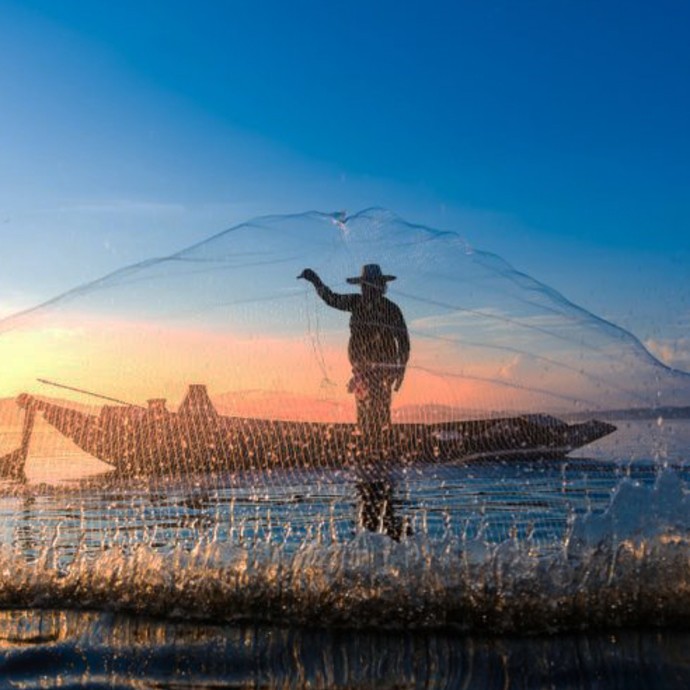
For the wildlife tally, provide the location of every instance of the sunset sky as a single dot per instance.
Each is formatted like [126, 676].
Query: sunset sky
[553, 134]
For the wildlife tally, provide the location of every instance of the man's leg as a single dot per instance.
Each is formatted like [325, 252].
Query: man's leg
[380, 402]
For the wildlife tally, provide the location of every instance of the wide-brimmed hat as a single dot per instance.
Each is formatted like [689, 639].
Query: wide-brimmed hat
[371, 273]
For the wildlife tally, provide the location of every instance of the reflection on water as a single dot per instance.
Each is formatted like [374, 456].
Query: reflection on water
[290, 509]
[90, 649]
[377, 511]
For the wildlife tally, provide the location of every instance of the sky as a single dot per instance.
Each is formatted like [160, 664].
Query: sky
[551, 133]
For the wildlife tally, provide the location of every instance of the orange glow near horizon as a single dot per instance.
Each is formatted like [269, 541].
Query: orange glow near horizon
[266, 377]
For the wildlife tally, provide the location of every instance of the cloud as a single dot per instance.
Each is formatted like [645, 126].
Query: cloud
[674, 353]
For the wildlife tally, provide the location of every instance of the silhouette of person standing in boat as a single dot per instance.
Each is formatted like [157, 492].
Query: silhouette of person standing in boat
[379, 344]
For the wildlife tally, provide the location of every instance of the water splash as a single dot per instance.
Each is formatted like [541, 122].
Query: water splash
[607, 563]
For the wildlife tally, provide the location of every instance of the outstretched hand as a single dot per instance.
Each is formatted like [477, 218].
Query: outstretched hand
[311, 276]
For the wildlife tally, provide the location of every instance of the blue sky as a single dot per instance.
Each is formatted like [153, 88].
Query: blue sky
[552, 133]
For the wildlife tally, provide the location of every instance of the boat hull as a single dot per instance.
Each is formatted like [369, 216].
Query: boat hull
[196, 439]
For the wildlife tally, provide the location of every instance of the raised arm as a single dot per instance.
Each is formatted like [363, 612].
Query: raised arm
[332, 299]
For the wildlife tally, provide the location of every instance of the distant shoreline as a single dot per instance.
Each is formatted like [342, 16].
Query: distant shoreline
[635, 413]
[430, 413]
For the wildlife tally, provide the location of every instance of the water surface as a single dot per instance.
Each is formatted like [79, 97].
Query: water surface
[506, 574]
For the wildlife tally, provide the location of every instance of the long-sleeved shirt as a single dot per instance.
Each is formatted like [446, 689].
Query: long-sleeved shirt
[378, 333]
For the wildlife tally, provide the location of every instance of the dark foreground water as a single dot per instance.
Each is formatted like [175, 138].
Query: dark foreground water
[89, 649]
[555, 574]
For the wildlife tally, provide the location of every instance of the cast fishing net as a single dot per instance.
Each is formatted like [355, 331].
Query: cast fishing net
[186, 420]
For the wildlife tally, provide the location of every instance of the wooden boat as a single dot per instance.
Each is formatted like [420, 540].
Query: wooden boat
[196, 439]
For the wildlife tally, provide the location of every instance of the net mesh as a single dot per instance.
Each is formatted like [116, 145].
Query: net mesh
[196, 408]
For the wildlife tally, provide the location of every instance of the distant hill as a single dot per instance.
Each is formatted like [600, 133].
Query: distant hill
[282, 405]
[443, 413]
[289, 406]
[633, 413]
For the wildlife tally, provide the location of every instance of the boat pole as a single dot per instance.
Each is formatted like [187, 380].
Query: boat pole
[91, 393]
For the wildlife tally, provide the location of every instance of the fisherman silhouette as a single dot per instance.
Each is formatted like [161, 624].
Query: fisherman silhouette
[379, 344]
